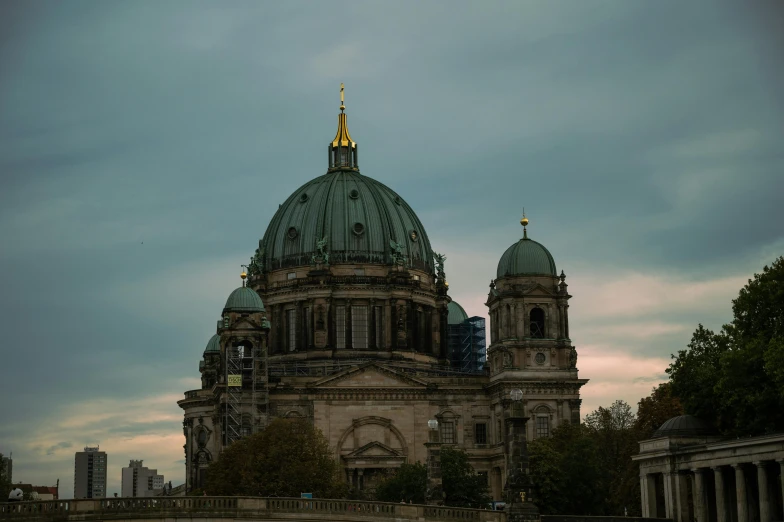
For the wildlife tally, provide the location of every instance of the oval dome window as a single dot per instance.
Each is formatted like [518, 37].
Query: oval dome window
[292, 233]
[354, 194]
[359, 228]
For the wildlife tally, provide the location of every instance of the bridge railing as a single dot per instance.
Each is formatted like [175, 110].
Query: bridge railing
[233, 507]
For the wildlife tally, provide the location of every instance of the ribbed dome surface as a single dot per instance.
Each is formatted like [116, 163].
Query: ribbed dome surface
[244, 299]
[684, 426]
[456, 313]
[526, 257]
[213, 345]
[358, 216]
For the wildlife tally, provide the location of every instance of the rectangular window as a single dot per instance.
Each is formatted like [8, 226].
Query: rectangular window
[359, 327]
[500, 433]
[480, 433]
[340, 326]
[378, 317]
[542, 426]
[291, 275]
[291, 328]
[448, 432]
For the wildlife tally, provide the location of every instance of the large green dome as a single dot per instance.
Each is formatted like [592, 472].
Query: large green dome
[244, 299]
[356, 214]
[526, 257]
[456, 313]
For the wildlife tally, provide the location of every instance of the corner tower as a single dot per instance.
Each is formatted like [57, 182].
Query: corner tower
[529, 335]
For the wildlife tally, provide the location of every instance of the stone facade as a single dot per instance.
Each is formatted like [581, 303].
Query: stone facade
[706, 479]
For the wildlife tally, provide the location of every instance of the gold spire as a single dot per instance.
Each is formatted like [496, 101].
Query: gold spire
[343, 138]
[524, 222]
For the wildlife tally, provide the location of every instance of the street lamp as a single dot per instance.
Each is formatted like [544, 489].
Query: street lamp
[434, 493]
[518, 482]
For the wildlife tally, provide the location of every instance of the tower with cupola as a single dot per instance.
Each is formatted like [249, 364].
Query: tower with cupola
[529, 335]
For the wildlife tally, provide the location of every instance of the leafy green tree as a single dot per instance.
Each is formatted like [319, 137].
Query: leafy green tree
[289, 457]
[655, 410]
[616, 439]
[462, 486]
[735, 378]
[408, 483]
[695, 371]
[5, 482]
[567, 473]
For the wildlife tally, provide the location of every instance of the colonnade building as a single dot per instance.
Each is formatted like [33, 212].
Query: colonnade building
[688, 473]
[342, 318]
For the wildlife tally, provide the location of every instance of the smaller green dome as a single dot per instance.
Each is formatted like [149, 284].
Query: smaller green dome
[526, 257]
[244, 299]
[456, 313]
[213, 346]
[684, 426]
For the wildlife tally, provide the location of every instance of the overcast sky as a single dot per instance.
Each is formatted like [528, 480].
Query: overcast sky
[144, 147]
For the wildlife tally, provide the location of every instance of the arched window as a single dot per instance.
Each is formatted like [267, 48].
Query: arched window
[537, 323]
[202, 438]
[542, 426]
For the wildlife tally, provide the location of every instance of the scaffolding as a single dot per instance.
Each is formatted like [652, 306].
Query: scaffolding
[233, 397]
[260, 383]
[467, 348]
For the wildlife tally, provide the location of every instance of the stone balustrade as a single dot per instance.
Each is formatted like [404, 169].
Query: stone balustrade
[232, 508]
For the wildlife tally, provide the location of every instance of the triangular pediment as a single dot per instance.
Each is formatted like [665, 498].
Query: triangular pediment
[245, 323]
[374, 449]
[370, 375]
[537, 290]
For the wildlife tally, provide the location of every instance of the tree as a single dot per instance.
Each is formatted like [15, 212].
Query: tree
[5, 480]
[616, 439]
[735, 378]
[567, 473]
[289, 457]
[408, 483]
[462, 486]
[695, 372]
[655, 410]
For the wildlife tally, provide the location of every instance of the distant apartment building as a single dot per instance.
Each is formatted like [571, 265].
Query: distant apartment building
[90, 473]
[139, 481]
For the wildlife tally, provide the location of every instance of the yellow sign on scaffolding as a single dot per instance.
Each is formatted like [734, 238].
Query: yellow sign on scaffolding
[235, 380]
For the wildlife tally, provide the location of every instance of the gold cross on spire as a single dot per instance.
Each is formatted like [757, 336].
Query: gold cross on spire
[342, 106]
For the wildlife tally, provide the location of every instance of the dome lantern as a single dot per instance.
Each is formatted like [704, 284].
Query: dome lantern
[342, 149]
[526, 257]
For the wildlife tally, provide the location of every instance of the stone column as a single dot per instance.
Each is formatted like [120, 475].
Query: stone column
[764, 492]
[721, 504]
[740, 493]
[700, 497]
[648, 494]
[669, 496]
[781, 466]
[682, 497]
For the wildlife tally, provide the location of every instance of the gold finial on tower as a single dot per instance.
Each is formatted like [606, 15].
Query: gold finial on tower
[524, 222]
[243, 275]
[342, 101]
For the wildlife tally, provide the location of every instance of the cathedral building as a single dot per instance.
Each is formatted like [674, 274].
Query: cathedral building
[343, 318]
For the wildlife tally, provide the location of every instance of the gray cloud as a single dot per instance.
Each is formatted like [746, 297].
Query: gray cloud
[145, 146]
